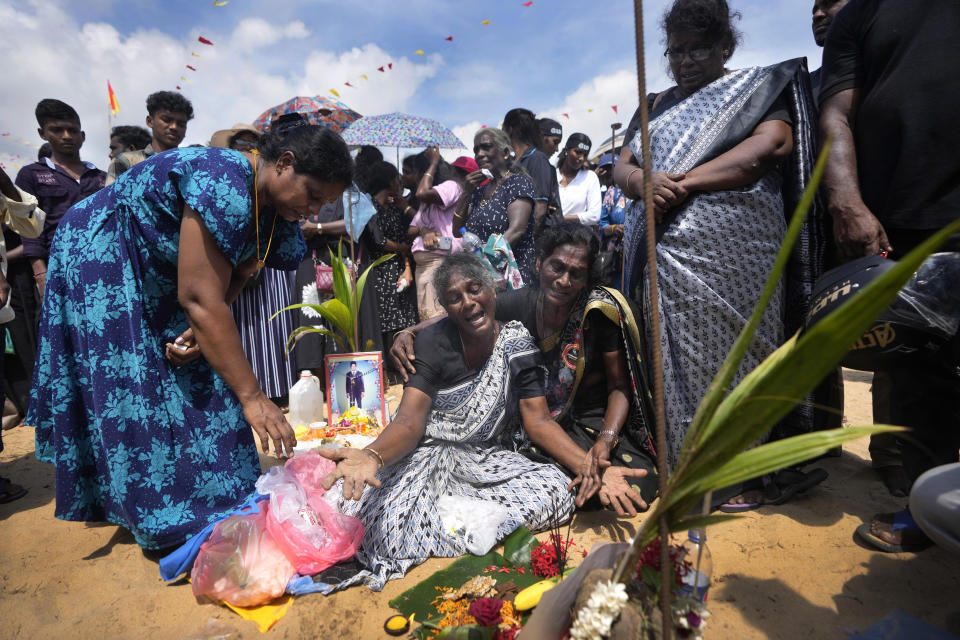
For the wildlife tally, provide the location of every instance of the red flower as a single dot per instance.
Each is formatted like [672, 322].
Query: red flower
[651, 558]
[543, 557]
[506, 634]
[486, 611]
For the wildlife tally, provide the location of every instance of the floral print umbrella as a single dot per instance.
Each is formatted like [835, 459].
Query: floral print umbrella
[330, 113]
[401, 130]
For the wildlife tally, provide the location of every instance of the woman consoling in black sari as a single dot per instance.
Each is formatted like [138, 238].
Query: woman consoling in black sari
[593, 376]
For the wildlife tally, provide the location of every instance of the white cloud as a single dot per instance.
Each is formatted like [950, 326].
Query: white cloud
[253, 33]
[383, 92]
[589, 106]
[233, 82]
[466, 132]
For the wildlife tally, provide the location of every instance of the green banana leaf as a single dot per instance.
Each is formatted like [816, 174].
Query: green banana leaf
[518, 545]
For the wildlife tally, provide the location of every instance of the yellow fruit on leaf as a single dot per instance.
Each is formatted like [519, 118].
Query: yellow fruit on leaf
[530, 597]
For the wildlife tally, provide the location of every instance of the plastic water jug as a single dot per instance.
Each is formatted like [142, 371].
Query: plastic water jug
[306, 400]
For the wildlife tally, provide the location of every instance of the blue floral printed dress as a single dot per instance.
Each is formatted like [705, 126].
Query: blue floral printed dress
[160, 450]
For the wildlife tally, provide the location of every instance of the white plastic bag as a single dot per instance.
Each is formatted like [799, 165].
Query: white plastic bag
[288, 503]
[474, 522]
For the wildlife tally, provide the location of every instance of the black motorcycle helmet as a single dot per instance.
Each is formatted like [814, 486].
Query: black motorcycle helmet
[919, 329]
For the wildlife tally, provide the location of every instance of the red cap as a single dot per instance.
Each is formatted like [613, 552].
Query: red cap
[466, 163]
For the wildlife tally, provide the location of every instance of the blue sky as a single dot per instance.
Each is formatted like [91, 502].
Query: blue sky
[553, 57]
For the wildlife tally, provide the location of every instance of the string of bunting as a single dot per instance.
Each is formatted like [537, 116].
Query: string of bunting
[355, 83]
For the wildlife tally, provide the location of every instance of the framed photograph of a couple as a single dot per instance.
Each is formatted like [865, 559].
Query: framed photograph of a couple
[355, 380]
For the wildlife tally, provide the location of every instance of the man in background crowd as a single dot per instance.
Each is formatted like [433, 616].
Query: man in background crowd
[167, 115]
[58, 182]
[824, 11]
[889, 105]
[127, 137]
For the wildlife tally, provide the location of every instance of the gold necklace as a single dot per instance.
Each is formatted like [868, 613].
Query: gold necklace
[485, 201]
[256, 215]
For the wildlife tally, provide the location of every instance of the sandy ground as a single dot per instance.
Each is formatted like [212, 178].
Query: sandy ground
[793, 571]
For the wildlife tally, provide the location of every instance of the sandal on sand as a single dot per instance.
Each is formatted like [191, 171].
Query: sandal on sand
[788, 483]
[911, 540]
[751, 486]
[10, 491]
[779, 488]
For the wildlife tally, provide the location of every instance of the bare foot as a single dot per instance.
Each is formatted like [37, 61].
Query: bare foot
[882, 527]
[754, 496]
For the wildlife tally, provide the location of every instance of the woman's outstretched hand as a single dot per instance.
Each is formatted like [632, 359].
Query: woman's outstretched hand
[269, 424]
[357, 469]
[588, 478]
[616, 492]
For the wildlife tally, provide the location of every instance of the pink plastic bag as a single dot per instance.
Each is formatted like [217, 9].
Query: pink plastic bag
[240, 562]
[312, 534]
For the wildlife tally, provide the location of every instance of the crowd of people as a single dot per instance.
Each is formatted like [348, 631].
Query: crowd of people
[515, 306]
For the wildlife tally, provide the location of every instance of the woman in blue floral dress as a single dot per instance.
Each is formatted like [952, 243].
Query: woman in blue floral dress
[142, 431]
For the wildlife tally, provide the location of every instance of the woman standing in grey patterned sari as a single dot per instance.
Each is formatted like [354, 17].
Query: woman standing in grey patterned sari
[718, 141]
[474, 376]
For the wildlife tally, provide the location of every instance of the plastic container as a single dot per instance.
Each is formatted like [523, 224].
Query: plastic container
[306, 400]
[470, 241]
[694, 582]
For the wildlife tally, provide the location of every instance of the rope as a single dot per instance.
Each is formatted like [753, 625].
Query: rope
[628, 565]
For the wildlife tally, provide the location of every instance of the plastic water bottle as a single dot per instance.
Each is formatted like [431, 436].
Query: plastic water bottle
[694, 582]
[306, 400]
[470, 242]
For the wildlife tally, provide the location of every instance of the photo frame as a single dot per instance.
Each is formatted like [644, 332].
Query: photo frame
[355, 379]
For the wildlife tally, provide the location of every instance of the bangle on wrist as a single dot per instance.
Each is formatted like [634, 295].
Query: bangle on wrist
[377, 454]
[627, 184]
[408, 209]
[404, 331]
[320, 228]
[610, 433]
[39, 273]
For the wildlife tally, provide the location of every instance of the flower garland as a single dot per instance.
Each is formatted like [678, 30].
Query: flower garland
[596, 618]
[690, 617]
